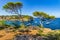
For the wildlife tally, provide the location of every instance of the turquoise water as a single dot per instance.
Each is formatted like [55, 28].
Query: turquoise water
[54, 24]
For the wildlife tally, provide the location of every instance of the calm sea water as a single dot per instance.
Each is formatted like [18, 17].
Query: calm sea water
[54, 24]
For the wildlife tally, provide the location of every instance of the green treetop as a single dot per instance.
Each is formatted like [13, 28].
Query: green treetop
[43, 16]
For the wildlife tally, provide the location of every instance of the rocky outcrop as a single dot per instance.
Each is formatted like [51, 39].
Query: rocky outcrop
[28, 37]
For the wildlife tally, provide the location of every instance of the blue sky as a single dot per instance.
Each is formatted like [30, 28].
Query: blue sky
[51, 7]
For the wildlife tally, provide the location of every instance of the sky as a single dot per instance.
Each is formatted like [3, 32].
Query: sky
[51, 7]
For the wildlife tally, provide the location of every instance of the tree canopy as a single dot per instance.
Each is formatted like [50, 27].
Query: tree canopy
[43, 15]
[13, 7]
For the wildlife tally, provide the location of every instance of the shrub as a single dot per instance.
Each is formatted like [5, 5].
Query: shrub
[53, 36]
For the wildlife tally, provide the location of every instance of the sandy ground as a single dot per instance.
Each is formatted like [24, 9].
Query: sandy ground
[4, 35]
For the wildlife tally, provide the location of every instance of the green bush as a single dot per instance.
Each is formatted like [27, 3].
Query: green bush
[2, 22]
[53, 36]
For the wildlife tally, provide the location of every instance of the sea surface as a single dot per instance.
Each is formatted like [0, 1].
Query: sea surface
[53, 24]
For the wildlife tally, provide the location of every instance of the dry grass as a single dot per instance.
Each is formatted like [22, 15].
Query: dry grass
[46, 30]
[10, 35]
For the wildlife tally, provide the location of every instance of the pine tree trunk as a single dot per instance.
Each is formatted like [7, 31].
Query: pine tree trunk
[20, 16]
[41, 24]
